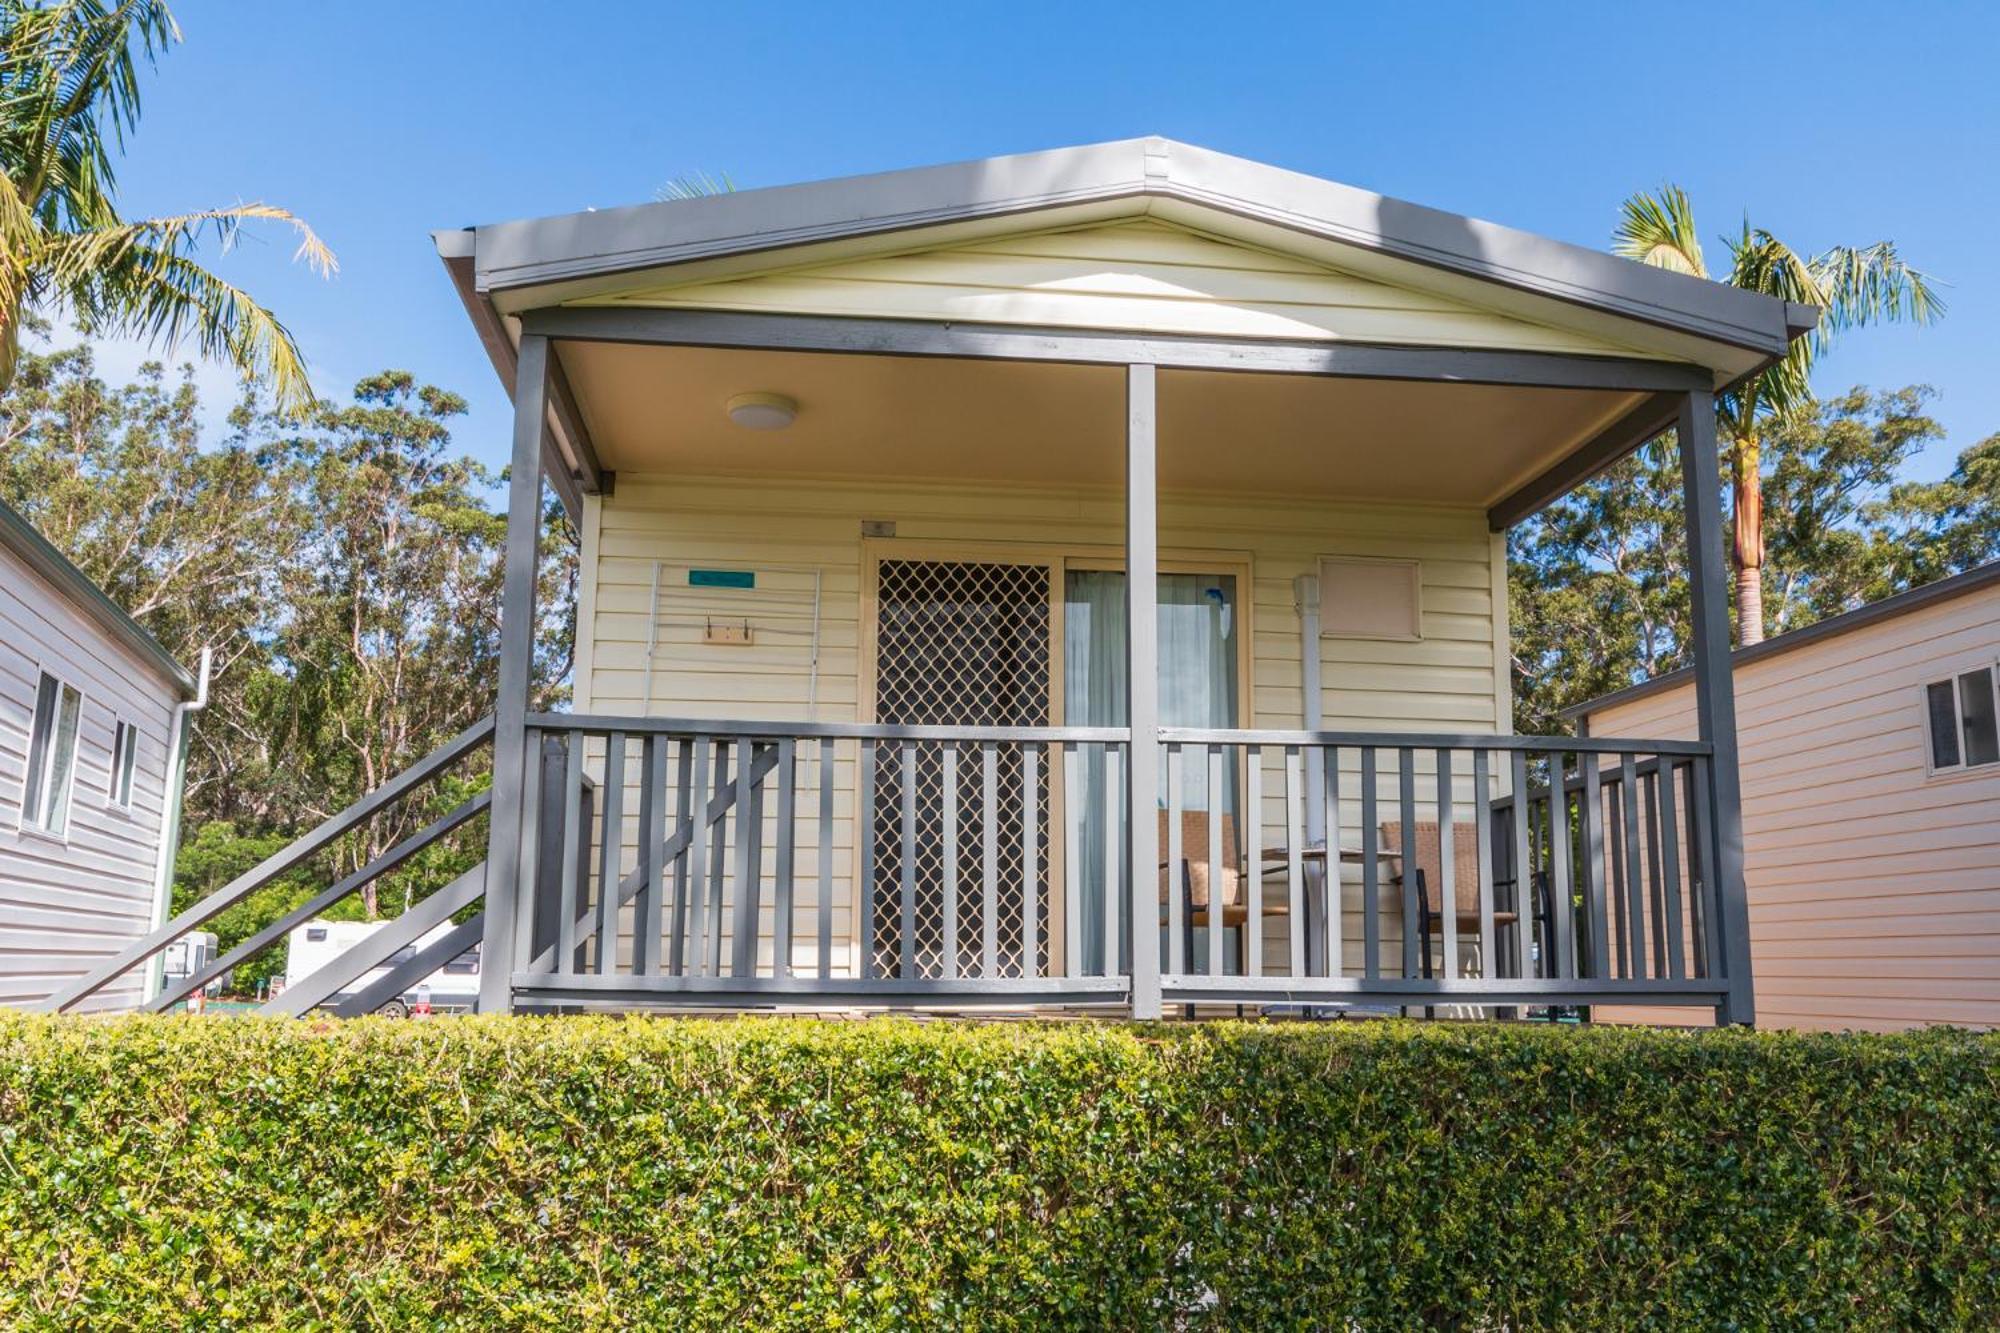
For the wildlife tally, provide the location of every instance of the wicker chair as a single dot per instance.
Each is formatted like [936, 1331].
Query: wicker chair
[1196, 878]
[1464, 878]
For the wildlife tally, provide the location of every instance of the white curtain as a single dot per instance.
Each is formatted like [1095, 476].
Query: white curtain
[1197, 627]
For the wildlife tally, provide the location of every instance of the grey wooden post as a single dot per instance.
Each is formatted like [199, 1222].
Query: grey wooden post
[1715, 691]
[510, 711]
[1142, 684]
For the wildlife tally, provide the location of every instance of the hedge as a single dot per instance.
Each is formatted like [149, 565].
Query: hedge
[570, 1173]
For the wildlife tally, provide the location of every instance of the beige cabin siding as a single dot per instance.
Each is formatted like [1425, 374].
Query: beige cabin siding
[1449, 681]
[1874, 888]
[66, 904]
[1141, 275]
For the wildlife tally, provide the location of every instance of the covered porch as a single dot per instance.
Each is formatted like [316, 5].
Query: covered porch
[951, 838]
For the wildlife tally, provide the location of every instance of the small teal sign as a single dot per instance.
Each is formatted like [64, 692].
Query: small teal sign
[722, 578]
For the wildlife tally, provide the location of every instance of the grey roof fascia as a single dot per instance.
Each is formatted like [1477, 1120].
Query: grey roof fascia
[455, 248]
[19, 536]
[1901, 604]
[589, 244]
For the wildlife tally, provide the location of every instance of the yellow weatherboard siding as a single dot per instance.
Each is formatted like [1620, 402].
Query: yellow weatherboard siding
[1142, 275]
[1447, 681]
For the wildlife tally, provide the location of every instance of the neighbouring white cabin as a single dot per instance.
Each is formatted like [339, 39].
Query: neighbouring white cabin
[91, 734]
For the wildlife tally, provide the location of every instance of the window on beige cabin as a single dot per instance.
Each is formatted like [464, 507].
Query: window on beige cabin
[1964, 716]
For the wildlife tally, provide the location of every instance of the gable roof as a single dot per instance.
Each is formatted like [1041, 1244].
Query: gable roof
[19, 536]
[504, 268]
[1889, 608]
[1104, 180]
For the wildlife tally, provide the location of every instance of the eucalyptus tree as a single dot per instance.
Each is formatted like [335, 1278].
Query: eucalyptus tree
[69, 98]
[1852, 285]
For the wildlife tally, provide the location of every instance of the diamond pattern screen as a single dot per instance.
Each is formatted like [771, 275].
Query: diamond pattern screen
[964, 644]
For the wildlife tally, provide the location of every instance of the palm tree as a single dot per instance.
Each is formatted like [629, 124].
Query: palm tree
[1852, 286]
[69, 95]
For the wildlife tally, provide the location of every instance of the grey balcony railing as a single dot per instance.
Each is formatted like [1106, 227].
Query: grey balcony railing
[1601, 895]
[733, 864]
[741, 863]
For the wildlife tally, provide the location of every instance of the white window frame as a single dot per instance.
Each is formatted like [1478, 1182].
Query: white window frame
[43, 786]
[1931, 766]
[124, 764]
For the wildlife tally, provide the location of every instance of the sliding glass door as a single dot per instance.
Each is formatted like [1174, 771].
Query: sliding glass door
[1199, 687]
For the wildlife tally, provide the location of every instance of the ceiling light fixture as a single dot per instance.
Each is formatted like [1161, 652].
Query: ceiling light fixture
[762, 411]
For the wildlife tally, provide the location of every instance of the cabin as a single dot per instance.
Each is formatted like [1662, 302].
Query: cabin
[93, 735]
[1871, 809]
[1073, 582]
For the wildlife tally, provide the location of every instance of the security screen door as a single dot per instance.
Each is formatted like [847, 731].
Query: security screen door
[960, 643]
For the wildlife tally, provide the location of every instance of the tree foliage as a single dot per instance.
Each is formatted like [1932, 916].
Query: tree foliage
[1598, 581]
[346, 569]
[1852, 286]
[69, 97]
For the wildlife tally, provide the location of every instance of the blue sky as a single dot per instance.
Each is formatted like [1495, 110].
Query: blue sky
[1827, 123]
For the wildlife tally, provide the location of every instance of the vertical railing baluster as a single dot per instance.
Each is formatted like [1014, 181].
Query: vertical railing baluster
[1031, 878]
[1590, 808]
[1622, 955]
[1406, 808]
[907, 907]
[1114, 840]
[610, 853]
[1524, 866]
[1482, 855]
[1703, 899]
[1331, 882]
[749, 870]
[574, 851]
[989, 860]
[1073, 761]
[1649, 792]
[1215, 862]
[1564, 963]
[647, 907]
[1447, 887]
[675, 954]
[1667, 786]
[865, 891]
[690, 934]
[1295, 877]
[949, 781]
[1250, 935]
[718, 861]
[1635, 889]
[1170, 876]
[1371, 870]
[527, 913]
[787, 833]
[825, 905]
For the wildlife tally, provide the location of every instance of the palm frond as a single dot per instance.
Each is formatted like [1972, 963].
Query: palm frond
[1871, 284]
[72, 258]
[695, 185]
[146, 292]
[1658, 229]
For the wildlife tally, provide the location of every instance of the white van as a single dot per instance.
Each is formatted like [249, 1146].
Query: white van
[452, 988]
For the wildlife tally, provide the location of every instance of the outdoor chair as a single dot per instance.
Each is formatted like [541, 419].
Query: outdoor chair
[1465, 888]
[1202, 887]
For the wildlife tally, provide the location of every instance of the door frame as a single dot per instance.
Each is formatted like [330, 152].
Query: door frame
[1060, 558]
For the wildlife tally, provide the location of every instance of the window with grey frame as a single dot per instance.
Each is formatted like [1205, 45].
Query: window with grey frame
[45, 795]
[1964, 717]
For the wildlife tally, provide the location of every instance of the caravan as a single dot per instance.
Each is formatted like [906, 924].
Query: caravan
[452, 988]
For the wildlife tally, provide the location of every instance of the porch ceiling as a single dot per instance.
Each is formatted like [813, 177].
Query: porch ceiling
[661, 409]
